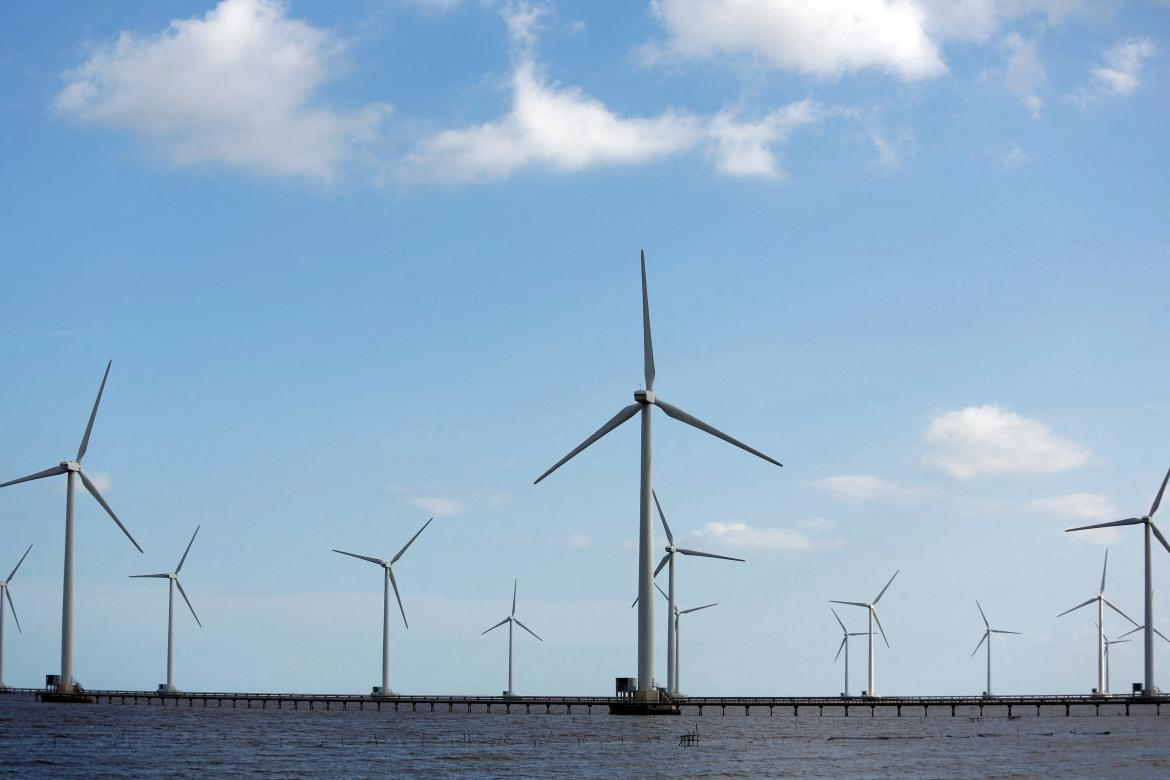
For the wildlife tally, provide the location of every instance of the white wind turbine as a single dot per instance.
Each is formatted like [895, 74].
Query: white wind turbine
[678, 613]
[1101, 601]
[72, 469]
[643, 401]
[1109, 643]
[7, 594]
[510, 620]
[172, 582]
[873, 618]
[1148, 522]
[388, 582]
[845, 634]
[987, 637]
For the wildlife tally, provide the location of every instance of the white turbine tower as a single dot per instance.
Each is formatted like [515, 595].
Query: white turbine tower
[72, 469]
[1148, 686]
[388, 582]
[1102, 602]
[172, 582]
[845, 634]
[672, 633]
[643, 401]
[987, 637]
[510, 620]
[1109, 643]
[678, 613]
[870, 607]
[6, 594]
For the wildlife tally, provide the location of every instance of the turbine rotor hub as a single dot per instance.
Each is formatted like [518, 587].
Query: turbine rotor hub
[69, 465]
[644, 396]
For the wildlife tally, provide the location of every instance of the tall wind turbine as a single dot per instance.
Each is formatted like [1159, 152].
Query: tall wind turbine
[672, 632]
[987, 637]
[6, 594]
[172, 582]
[845, 634]
[643, 401]
[72, 469]
[1101, 601]
[388, 582]
[510, 620]
[1150, 528]
[870, 607]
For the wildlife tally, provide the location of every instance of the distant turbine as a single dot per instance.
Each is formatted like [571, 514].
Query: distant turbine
[1102, 675]
[678, 613]
[70, 468]
[5, 593]
[510, 620]
[987, 637]
[1109, 643]
[388, 582]
[871, 608]
[172, 582]
[845, 634]
[1150, 528]
[672, 632]
[643, 400]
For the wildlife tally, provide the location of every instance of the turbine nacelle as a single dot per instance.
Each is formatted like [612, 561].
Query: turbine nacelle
[69, 465]
[644, 396]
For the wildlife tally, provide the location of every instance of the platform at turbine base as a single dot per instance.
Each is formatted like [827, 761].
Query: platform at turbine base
[73, 697]
[645, 708]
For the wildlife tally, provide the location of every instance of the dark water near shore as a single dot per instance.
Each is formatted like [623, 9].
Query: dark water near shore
[41, 740]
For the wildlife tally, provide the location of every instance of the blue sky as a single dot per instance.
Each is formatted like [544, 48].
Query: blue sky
[360, 264]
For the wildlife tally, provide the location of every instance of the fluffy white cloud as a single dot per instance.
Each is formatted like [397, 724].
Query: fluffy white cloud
[440, 506]
[1085, 508]
[1121, 68]
[861, 487]
[978, 20]
[746, 148]
[234, 87]
[1025, 73]
[743, 536]
[990, 440]
[1013, 158]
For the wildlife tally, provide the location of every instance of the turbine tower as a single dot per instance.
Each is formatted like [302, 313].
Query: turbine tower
[388, 582]
[5, 593]
[1101, 601]
[72, 469]
[845, 634]
[987, 637]
[1109, 643]
[173, 581]
[677, 614]
[510, 620]
[871, 609]
[643, 401]
[672, 609]
[1147, 521]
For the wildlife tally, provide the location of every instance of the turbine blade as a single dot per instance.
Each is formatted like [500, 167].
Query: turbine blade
[363, 557]
[1078, 606]
[1104, 567]
[879, 625]
[94, 492]
[709, 555]
[17, 566]
[976, 650]
[1117, 609]
[183, 593]
[1158, 534]
[852, 603]
[695, 422]
[89, 427]
[696, 609]
[840, 647]
[985, 623]
[660, 590]
[663, 562]
[497, 625]
[1161, 490]
[1133, 631]
[845, 630]
[408, 544]
[647, 342]
[179, 568]
[635, 602]
[150, 576]
[514, 584]
[1126, 521]
[394, 584]
[8, 595]
[879, 596]
[1159, 633]
[526, 628]
[39, 475]
[666, 527]
[1001, 631]
[614, 422]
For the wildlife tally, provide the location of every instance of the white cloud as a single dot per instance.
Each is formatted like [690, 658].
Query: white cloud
[746, 148]
[433, 7]
[1024, 73]
[440, 506]
[978, 20]
[1013, 158]
[1121, 68]
[861, 487]
[578, 541]
[235, 87]
[990, 440]
[1087, 508]
[743, 536]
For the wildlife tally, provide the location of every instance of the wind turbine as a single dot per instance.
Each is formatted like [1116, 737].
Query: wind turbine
[173, 581]
[678, 613]
[845, 634]
[71, 469]
[643, 401]
[5, 593]
[511, 619]
[672, 633]
[871, 609]
[987, 637]
[1102, 674]
[1109, 643]
[388, 582]
[1150, 528]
